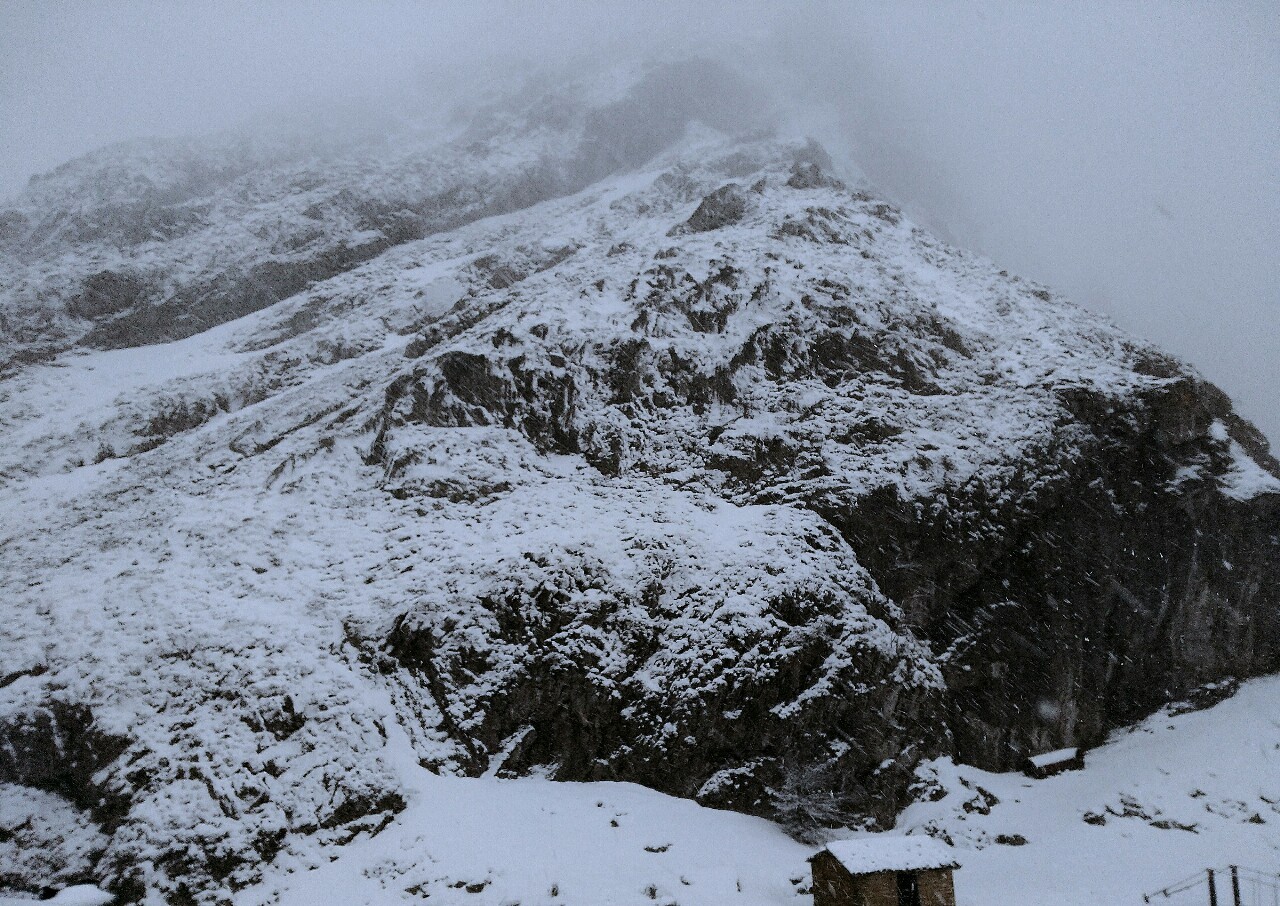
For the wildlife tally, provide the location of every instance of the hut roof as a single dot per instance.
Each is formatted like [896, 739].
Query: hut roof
[868, 855]
[1049, 759]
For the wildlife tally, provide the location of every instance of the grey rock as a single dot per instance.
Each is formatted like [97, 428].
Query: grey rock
[726, 205]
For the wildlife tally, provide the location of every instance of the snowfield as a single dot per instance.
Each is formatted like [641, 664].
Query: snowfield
[1156, 803]
[1106, 834]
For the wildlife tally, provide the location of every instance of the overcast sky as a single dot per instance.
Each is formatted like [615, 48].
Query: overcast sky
[1126, 153]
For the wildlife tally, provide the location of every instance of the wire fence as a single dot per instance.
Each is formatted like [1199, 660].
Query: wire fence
[1236, 885]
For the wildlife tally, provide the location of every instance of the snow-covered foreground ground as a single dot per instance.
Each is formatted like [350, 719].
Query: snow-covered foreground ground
[1170, 797]
[491, 841]
[1165, 799]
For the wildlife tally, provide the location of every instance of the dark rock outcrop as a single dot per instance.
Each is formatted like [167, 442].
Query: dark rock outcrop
[58, 748]
[726, 205]
[107, 293]
[1096, 575]
[1078, 597]
[586, 687]
[1088, 600]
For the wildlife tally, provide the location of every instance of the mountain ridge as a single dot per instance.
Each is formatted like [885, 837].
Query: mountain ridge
[717, 475]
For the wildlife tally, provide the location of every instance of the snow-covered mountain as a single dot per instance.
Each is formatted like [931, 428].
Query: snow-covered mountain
[598, 440]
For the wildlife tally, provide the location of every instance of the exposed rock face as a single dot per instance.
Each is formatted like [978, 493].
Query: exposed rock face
[754, 495]
[725, 206]
[57, 749]
[1075, 592]
[567, 663]
[107, 293]
[1089, 603]
[1069, 585]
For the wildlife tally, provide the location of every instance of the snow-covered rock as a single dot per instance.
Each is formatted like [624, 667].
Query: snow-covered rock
[716, 475]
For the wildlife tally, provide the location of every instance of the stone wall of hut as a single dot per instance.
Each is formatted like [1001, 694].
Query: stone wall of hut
[833, 885]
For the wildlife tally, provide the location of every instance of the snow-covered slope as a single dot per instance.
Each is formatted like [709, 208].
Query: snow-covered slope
[716, 476]
[1158, 803]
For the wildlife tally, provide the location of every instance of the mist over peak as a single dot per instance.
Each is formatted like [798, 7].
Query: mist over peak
[1124, 154]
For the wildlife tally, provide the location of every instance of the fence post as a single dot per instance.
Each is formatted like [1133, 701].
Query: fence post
[1235, 885]
[1213, 890]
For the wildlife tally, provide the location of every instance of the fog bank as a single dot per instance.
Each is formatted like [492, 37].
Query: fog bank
[1125, 153]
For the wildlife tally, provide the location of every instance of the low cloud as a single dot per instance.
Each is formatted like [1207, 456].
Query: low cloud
[1124, 153]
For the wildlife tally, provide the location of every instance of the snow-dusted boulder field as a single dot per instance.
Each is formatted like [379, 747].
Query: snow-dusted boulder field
[605, 442]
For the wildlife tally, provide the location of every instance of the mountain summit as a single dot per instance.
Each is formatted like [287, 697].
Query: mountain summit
[607, 438]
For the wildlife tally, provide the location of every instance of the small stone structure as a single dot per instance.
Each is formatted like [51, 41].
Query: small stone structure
[1050, 763]
[884, 871]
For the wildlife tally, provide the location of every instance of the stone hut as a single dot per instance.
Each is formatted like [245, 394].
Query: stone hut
[1050, 763]
[884, 871]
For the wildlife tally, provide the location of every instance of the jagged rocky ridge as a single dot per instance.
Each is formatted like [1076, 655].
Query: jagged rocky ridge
[155, 240]
[718, 475]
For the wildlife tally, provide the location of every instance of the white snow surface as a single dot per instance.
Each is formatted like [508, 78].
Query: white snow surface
[1245, 479]
[1216, 772]
[1055, 757]
[869, 855]
[75, 895]
[1160, 801]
